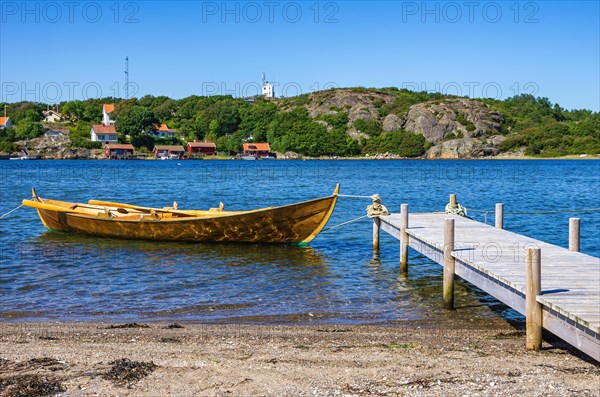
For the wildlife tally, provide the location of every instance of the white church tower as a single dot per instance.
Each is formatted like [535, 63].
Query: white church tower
[267, 88]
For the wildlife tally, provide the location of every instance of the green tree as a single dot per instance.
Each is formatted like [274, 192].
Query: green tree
[146, 141]
[73, 109]
[28, 130]
[132, 121]
[213, 131]
[402, 143]
[369, 127]
[166, 110]
[7, 134]
[255, 119]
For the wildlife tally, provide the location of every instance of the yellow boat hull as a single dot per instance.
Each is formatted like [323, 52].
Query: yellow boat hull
[294, 223]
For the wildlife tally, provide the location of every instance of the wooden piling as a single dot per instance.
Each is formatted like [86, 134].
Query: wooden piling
[404, 238]
[376, 226]
[453, 200]
[574, 234]
[500, 216]
[533, 309]
[449, 264]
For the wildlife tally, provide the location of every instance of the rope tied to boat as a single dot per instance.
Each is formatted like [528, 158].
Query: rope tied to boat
[374, 210]
[344, 223]
[11, 211]
[354, 196]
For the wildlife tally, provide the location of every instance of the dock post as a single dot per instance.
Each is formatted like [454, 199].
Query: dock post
[574, 234]
[376, 226]
[449, 264]
[500, 216]
[533, 309]
[453, 200]
[403, 238]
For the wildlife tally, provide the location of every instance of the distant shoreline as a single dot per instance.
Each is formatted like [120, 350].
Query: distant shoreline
[499, 158]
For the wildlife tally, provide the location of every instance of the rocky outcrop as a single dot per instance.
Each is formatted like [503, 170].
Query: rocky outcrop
[357, 103]
[463, 148]
[59, 147]
[391, 122]
[459, 117]
[288, 156]
[458, 127]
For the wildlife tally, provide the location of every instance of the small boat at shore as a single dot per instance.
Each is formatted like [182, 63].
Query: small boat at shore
[293, 223]
[28, 157]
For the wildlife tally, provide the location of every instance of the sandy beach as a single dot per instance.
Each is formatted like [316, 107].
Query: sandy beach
[467, 358]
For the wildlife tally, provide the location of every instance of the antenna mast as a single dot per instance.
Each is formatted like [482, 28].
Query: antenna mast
[127, 77]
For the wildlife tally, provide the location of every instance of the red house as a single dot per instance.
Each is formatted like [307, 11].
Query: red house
[118, 150]
[256, 149]
[168, 151]
[205, 148]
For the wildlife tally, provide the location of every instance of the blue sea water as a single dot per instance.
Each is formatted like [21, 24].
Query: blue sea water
[47, 276]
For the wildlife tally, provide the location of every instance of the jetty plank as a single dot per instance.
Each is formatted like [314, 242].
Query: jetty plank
[494, 260]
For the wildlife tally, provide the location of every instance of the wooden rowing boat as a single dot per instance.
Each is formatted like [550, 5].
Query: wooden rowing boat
[294, 223]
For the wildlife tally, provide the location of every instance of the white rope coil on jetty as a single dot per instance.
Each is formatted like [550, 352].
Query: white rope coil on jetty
[455, 209]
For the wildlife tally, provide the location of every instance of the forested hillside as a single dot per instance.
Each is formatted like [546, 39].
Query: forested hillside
[338, 122]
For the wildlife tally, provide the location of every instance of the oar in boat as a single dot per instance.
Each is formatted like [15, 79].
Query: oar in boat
[140, 208]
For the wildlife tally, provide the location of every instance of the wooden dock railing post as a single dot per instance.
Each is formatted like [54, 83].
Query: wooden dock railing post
[453, 200]
[574, 234]
[404, 238]
[533, 309]
[449, 264]
[500, 216]
[376, 227]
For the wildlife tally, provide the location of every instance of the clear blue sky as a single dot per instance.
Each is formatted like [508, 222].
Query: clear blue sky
[53, 51]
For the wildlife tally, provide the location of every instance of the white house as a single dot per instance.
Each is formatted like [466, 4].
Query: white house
[267, 90]
[50, 116]
[5, 123]
[162, 131]
[107, 110]
[104, 133]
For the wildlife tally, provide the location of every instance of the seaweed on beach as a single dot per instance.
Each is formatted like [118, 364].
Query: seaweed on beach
[173, 326]
[46, 363]
[125, 372]
[168, 339]
[509, 335]
[30, 386]
[4, 362]
[128, 325]
[44, 337]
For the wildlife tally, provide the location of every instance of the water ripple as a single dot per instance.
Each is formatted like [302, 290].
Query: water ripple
[56, 276]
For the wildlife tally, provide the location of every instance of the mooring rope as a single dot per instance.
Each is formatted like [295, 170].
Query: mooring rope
[11, 211]
[353, 196]
[538, 212]
[344, 223]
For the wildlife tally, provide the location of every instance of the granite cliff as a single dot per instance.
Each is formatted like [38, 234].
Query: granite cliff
[456, 127]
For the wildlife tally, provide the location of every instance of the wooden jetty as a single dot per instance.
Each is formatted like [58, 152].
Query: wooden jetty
[554, 287]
